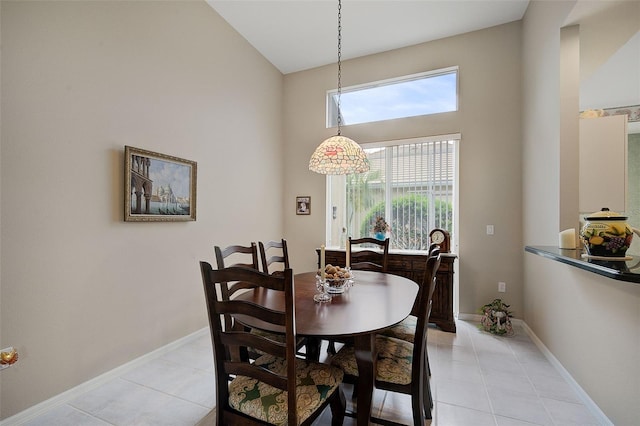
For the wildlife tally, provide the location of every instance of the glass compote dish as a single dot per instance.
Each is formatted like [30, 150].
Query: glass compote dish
[321, 286]
[336, 279]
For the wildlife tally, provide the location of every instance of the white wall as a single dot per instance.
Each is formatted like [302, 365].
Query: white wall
[490, 151]
[82, 291]
[591, 324]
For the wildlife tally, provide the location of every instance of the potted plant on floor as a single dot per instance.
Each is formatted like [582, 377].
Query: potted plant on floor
[496, 318]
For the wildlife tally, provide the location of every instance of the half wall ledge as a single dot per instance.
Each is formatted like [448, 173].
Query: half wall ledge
[621, 270]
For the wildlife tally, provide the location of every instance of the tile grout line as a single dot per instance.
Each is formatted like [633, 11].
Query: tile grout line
[484, 382]
[535, 389]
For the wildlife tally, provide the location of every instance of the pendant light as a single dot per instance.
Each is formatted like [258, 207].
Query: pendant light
[339, 155]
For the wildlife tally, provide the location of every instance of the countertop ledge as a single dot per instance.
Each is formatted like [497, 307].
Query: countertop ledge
[617, 269]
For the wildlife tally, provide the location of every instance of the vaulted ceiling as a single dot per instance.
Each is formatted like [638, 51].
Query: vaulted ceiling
[295, 35]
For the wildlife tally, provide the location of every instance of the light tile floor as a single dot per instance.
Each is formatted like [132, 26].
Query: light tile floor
[477, 379]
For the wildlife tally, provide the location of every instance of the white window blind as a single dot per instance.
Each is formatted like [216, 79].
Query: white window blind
[411, 185]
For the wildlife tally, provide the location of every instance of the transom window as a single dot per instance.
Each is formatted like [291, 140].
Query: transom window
[411, 184]
[418, 94]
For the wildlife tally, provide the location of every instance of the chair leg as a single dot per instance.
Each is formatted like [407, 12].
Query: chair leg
[331, 349]
[427, 398]
[313, 349]
[417, 406]
[338, 406]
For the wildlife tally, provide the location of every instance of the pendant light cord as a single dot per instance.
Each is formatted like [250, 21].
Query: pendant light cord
[339, 63]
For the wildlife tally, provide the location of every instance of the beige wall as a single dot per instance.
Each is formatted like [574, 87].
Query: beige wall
[82, 292]
[591, 324]
[490, 151]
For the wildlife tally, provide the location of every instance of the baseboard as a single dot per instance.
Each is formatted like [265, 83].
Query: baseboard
[64, 397]
[582, 395]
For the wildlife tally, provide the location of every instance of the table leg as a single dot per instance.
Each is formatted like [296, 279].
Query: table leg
[313, 348]
[365, 348]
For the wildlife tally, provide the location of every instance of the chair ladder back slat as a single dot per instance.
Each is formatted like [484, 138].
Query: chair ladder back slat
[233, 253]
[260, 373]
[274, 252]
[369, 254]
[236, 252]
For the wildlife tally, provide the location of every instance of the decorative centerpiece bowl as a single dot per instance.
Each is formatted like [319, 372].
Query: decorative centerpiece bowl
[336, 278]
[606, 234]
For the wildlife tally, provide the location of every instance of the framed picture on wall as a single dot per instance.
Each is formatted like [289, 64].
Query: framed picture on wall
[158, 187]
[303, 205]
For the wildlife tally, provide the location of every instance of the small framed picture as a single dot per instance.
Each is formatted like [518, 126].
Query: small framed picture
[303, 205]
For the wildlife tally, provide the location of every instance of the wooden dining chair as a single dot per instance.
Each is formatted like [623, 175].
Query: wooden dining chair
[401, 366]
[364, 256]
[406, 329]
[274, 252]
[239, 256]
[246, 257]
[277, 388]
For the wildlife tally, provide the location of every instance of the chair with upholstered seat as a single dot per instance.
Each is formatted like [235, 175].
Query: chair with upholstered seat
[406, 329]
[401, 366]
[246, 257]
[277, 388]
[369, 254]
[365, 254]
[274, 252]
[240, 256]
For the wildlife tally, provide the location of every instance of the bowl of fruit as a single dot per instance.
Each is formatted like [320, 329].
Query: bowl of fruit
[336, 278]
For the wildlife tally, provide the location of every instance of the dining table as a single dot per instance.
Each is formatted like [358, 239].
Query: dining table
[373, 302]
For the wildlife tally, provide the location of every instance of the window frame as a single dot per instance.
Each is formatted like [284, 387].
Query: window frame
[335, 240]
[331, 98]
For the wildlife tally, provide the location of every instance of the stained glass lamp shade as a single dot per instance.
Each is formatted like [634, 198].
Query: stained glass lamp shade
[339, 155]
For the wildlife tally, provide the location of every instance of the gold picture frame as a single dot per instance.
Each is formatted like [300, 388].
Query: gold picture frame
[158, 187]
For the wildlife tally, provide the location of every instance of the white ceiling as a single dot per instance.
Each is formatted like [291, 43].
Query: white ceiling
[295, 35]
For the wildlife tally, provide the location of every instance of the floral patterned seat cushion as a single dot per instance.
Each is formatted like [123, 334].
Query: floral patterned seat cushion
[394, 360]
[315, 383]
[405, 330]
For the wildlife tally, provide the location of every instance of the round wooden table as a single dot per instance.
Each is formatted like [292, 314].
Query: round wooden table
[375, 301]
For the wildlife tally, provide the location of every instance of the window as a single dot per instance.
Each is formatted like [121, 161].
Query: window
[411, 184]
[419, 94]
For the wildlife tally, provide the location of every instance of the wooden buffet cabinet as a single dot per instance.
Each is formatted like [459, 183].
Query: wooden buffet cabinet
[412, 266]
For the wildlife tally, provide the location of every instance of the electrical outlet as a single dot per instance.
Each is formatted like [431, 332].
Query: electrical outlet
[489, 229]
[502, 287]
